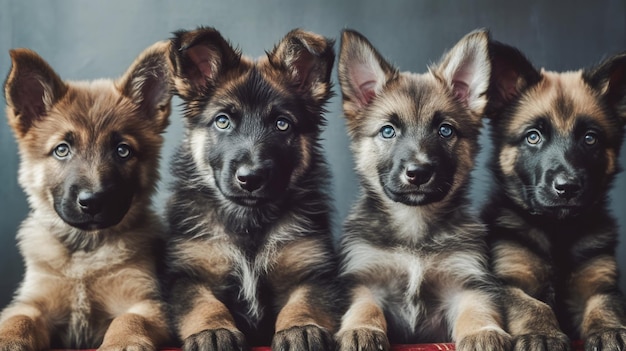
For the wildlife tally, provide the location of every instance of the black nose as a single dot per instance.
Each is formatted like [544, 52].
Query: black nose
[90, 203]
[566, 186]
[251, 179]
[418, 174]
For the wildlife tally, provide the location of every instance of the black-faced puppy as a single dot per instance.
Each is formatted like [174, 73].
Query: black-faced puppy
[251, 258]
[89, 165]
[413, 256]
[556, 142]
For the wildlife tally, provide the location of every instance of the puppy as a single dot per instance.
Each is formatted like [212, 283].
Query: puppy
[413, 256]
[556, 142]
[251, 259]
[89, 160]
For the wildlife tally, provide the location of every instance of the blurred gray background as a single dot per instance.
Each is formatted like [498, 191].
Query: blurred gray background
[92, 39]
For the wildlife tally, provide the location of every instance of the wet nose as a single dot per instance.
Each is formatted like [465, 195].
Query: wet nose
[89, 202]
[566, 186]
[251, 179]
[418, 174]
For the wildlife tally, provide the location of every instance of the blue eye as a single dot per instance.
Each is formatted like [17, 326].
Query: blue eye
[123, 150]
[446, 130]
[222, 121]
[533, 137]
[591, 138]
[62, 150]
[387, 132]
[282, 124]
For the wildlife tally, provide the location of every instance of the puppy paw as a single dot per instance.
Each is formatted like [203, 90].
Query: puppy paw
[127, 345]
[308, 337]
[539, 342]
[488, 340]
[607, 340]
[362, 339]
[215, 340]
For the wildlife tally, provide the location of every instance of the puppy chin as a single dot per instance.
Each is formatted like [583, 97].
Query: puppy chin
[413, 198]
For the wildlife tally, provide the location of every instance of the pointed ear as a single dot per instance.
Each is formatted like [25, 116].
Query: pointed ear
[466, 69]
[199, 57]
[31, 89]
[148, 83]
[363, 72]
[308, 59]
[609, 79]
[511, 74]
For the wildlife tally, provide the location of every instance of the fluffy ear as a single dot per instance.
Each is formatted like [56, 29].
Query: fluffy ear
[31, 89]
[148, 82]
[308, 59]
[511, 74]
[199, 57]
[363, 72]
[609, 78]
[466, 69]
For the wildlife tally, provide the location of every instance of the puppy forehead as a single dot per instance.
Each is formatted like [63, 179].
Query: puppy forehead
[413, 98]
[560, 98]
[90, 111]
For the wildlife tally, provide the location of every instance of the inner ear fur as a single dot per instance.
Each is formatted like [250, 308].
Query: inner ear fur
[363, 72]
[609, 79]
[31, 89]
[199, 57]
[466, 70]
[308, 59]
[511, 74]
[148, 83]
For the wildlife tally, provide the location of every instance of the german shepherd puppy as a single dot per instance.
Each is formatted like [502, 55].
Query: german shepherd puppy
[251, 253]
[413, 256]
[556, 142]
[89, 159]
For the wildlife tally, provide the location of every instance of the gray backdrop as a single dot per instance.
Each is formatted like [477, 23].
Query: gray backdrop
[92, 39]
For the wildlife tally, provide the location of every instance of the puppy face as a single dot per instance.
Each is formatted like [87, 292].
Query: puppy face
[88, 150]
[414, 136]
[252, 125]
[557, 134]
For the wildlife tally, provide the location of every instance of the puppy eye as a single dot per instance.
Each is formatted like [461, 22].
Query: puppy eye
[62, 150]
[533, 137]
[591, 138]
[282, 124]
[446, 130]
[222, 121]
[387, 132]
[123, 150]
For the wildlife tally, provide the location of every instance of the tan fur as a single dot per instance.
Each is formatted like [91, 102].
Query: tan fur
[364, 312]
[80, 284]
[298, 311]
[208, 313]
[515, 264]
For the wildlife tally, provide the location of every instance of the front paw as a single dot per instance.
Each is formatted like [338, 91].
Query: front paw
[540, 342]
[126, 345]
[215, 340]
[606, 340]
[362, 339]
[308, 337]
[489, 340]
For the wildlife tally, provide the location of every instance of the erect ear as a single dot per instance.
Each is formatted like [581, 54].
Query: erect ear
[199, 57]
[363, 72]
[308, 59]
[148, 83]
[31, 89]
[609, 78]
[511, 74]
[466, 69]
